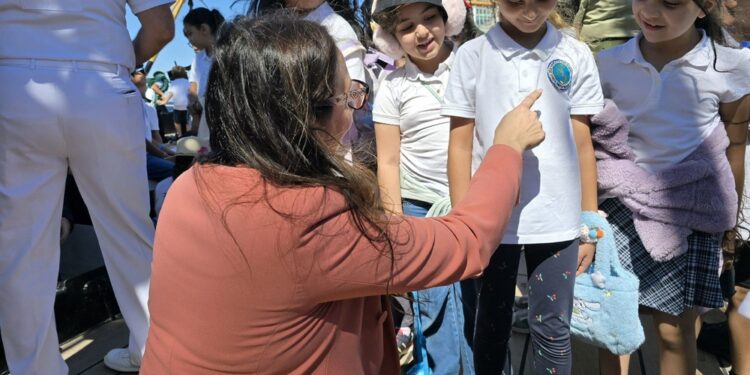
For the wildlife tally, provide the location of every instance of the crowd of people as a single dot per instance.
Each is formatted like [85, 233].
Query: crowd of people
[352, 188]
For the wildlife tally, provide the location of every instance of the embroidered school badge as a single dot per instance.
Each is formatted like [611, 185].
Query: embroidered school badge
[559, 74]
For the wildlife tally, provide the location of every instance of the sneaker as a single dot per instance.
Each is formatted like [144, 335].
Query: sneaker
[119, 360]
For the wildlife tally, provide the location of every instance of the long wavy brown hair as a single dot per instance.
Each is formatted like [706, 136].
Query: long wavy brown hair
[263, 98]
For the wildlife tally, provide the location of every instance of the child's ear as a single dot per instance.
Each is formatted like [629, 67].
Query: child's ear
[205, 29]
[708, 5]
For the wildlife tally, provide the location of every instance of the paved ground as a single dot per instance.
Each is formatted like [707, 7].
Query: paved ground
[84, 353]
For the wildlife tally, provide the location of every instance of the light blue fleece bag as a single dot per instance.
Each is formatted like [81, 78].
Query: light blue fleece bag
[605, 299]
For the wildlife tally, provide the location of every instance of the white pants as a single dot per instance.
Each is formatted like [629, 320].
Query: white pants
[89, 117]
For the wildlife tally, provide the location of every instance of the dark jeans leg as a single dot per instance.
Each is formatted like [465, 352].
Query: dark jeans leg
[495, 296]
[551, 279]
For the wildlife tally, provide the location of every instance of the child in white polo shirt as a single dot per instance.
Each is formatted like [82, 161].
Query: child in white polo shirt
[412, 152]
[678, 87]
[491, 74]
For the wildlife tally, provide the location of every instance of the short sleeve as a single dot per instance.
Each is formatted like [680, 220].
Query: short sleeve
[586, 96]
[737, 73]
[193, 73]
[385, 110]
[460, 94]
[153, 118]
[138, 6]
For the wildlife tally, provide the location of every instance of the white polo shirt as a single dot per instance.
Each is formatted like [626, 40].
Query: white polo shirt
[671, 112]
[345, 38]
[150, 120]
[491, 75]
[179, 89]
[199, 71]
[92, 31]
[411, 100]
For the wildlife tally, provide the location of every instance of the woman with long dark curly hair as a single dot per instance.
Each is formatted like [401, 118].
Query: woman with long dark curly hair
[273, 254]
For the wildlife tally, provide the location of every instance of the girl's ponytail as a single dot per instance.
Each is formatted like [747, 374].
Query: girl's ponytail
[218, 20]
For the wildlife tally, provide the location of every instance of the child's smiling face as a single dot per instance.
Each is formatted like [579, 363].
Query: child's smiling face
[420, 30]
[666, 20]
[527, 16]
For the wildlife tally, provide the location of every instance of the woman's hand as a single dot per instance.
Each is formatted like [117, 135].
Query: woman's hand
[520, 128]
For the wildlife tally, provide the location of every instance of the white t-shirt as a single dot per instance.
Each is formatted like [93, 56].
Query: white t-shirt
[199, 71]
[151, 120]
[179, 89]
[151, 94]
[491, 75]
[160, 193]
[79, 30]
[411, 99]
[671, 112]
[345, 38]
[199, 74]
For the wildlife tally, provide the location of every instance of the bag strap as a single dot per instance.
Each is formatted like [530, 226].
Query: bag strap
[605, 247]
[420, 346]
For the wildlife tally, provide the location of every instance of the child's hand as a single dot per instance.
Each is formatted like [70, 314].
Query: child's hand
[586, 253]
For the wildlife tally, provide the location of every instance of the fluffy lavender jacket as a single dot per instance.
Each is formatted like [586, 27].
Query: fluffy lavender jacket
[695, 194]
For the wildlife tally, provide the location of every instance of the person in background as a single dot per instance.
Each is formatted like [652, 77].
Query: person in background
[605, 23]
[68, 101]
[200, 26]
[179, 88]
[273, 253]
[184, 155]
[157, 167]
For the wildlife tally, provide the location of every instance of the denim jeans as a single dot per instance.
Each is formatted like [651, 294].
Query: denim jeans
[158, 168]
[442, 316]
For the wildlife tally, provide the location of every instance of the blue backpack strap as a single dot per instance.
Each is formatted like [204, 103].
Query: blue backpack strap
[421, 364]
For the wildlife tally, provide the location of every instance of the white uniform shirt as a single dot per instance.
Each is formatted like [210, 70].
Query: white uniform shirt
[179, 89]
[490, 76]
[671, 112]
[199, 71]
[43, 29]
[151, 120]
[345, 38]
[411, 99]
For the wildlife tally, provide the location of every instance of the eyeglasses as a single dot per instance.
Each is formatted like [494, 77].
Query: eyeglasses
[355, 98]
